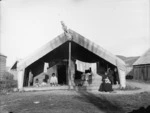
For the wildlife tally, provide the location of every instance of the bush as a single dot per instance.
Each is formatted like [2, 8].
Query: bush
[7, 83]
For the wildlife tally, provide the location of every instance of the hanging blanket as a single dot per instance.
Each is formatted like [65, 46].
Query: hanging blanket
[82, 66]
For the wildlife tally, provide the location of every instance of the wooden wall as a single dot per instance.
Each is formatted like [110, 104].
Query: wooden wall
[141, 72]
[2, 65]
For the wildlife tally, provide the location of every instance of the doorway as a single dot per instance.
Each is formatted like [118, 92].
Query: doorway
[61, 71]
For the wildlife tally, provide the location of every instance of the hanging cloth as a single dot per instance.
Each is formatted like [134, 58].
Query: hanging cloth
[82, 66]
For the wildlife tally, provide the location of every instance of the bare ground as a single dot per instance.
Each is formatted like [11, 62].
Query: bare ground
[64, 101]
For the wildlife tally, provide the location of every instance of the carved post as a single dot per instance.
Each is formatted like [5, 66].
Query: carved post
[66, 31]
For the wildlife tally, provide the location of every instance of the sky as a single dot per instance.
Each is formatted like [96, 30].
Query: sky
[120, 26]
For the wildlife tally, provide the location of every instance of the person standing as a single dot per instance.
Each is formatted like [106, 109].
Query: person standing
[36, 84]
[83, 76]
[116, 76]
[111, 75]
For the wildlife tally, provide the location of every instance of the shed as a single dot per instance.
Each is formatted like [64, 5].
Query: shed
[141, 68]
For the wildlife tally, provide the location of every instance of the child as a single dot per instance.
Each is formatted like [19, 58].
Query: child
[37, 82]
[43, 83]
[53, 80]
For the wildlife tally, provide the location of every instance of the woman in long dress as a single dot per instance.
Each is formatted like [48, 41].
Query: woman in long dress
[106, 83]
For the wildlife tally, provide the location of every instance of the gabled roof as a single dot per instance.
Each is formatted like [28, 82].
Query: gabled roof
[2, 55]
[77, 38]
[144, 59]
[14, 65]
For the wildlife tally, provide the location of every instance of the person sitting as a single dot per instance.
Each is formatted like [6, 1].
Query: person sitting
[53, 80]
[106, 83]
[36, 84]
[46, 78]
[43, 83]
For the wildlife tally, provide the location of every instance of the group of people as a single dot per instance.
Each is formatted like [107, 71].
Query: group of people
[83, 78]
[53, 81]
[107, 81]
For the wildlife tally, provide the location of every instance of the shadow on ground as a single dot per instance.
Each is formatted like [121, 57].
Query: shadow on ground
[141, 110]
[100, 102]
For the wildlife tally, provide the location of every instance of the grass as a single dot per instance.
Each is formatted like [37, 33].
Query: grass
[128, 88]
[7, 83]
[65, 101]
[141, 81]
[72, 102]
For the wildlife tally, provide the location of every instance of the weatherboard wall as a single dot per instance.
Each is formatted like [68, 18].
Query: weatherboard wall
[141, 72]
[2, 64]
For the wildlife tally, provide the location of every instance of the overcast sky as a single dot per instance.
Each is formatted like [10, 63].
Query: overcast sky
[120, 26]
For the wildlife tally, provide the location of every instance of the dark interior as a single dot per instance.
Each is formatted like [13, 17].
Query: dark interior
[61, 71]
[77, 52]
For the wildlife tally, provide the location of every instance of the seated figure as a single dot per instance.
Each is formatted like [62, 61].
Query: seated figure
[53, 80]
[36, 84]
[106, 84]
[43, 83]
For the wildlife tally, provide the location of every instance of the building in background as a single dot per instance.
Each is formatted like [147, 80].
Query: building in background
[141, 68]
[13, 69]
[2, 64]
[129, 65]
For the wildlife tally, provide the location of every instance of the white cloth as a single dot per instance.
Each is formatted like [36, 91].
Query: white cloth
[54, 80]
[46, 65]
[30, 77]
[122, 78]
[43, 84]
[82, 66]
[107, 80]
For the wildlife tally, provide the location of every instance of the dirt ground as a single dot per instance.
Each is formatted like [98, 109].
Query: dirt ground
[65, 101]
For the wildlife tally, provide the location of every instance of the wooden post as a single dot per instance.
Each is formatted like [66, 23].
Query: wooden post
[67, 33]
[20, 76]
[69, 66]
